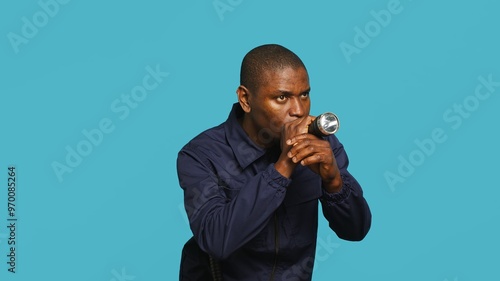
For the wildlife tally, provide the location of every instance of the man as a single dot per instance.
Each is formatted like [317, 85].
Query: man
[252, 184]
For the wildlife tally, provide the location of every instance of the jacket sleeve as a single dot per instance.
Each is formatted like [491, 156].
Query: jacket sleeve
[225, 214]
[347, 211]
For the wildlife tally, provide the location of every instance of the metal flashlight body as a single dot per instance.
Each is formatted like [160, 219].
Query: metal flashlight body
[324, 125]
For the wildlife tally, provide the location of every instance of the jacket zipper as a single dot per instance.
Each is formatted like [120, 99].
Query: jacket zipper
[276, 245]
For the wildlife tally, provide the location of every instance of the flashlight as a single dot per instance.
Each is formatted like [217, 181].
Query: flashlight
[325, 124]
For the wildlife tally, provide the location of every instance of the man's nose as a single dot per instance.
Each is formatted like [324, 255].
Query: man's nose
[297, 108]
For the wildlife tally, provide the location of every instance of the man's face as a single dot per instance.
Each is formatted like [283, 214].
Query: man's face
[282, 96]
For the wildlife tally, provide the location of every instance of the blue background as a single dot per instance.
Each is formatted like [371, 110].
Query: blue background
[119, 212]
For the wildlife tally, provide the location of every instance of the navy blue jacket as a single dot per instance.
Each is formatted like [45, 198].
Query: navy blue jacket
[256, 223]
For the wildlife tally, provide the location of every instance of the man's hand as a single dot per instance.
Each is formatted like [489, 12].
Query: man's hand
[285, 165]
[297, 146]
[316, 153]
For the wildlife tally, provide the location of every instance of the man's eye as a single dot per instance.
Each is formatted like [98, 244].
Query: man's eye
[282, 98]
[305, 95]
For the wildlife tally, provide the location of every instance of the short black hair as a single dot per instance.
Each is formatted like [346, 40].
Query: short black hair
[269, 57]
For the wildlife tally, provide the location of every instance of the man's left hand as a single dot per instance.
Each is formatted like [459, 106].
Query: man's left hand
[316, 153]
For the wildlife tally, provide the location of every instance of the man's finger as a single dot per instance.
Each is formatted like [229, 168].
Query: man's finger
[309, 148]
[294, 140]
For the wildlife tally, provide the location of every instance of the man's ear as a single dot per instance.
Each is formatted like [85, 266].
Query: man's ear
[244, 98]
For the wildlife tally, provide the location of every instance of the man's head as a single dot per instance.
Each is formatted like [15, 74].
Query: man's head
[265, 58]
[274, 90]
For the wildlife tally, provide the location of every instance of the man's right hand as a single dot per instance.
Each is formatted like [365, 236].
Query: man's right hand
[285, 165]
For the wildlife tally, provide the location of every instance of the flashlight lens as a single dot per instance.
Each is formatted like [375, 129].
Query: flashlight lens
[328, 123]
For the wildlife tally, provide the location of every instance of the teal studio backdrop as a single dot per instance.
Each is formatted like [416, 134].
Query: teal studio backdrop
[98, 97]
